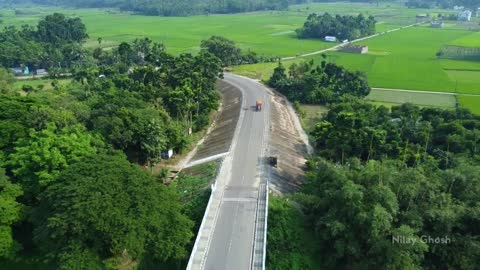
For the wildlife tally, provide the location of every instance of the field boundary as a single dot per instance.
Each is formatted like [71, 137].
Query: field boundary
[425, 92]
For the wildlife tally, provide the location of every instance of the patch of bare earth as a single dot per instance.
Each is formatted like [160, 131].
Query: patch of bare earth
[288, 143]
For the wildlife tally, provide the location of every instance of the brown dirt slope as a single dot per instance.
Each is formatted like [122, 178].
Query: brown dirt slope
[219, 139]
[286, 143]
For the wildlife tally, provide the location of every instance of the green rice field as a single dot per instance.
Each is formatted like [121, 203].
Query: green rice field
[403, 60]
[418, 98]
[268, 32]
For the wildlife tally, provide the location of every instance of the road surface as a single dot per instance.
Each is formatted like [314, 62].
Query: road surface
[227, 241]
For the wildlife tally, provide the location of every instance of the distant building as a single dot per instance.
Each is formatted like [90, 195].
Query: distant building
[458, 8]
[465, 15]
[422, 17]
[167, 154]
[41, 72]
[354, 49]
[18, 71]
[436, 25]
[330, 39]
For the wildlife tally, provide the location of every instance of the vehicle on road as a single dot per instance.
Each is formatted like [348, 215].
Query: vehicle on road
[258, 105]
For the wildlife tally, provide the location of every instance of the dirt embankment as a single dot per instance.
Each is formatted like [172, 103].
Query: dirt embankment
[288, 142]
[219, 139]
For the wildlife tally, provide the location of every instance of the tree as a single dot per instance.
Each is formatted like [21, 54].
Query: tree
[6, 81]
[107, 209]
[222, 48]
[343, 27]
[278, 77]
[11, 212]
[39, 158]
[57, 29]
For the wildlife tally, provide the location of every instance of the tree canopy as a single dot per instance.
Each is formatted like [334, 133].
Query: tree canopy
[54, 43]
[11, 212]
[342, 27]
[104, 208]
[323, 84]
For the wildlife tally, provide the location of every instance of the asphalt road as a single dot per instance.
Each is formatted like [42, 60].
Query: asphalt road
[231, 244]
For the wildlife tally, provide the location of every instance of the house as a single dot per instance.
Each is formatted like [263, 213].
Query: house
[41, 72]
[354, 49]
[18, 71]
[422, 17]
[465, 15]
[330, 39]
[436, 25]
[167, 154]
[458, 8]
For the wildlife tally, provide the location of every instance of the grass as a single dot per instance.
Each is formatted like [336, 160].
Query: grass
[47, 83]
[421, 99]
[311, 115]
[470, 102]
[24, 263]
[267, 32]
[403, 60]
[472, 40]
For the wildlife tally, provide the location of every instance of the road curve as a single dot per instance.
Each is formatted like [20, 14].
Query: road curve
[227, 238]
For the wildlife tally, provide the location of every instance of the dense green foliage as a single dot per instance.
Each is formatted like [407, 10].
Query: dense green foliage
[392, 189]
[55, 42]
[407, 132]
[104, 207]
[87, 204]
[342, 27]
[10, 214]
[384, 215]
[229, 53]
[322, 84]
[288, 245]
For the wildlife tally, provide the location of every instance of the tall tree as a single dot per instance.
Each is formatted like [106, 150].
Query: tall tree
[11, 212]
[107, 209]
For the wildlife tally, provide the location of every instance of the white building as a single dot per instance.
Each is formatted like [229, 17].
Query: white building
[465, 15]
[330, 39]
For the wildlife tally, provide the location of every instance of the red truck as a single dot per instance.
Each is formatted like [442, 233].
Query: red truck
[258, 105]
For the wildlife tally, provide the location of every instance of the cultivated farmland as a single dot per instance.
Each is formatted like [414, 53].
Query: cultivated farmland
[418, 98]
[269, 33]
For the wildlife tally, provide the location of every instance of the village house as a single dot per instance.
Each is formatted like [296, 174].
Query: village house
[436, 24]
[354, 48]
[465, 15]
[330, 39]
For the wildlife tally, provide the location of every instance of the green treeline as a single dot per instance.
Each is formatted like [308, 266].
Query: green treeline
[178, 7]
[72, 191]
[227, 51]
[55, 43]
[323, 84]
[386, 189]
[472, 4]
[342, 27]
